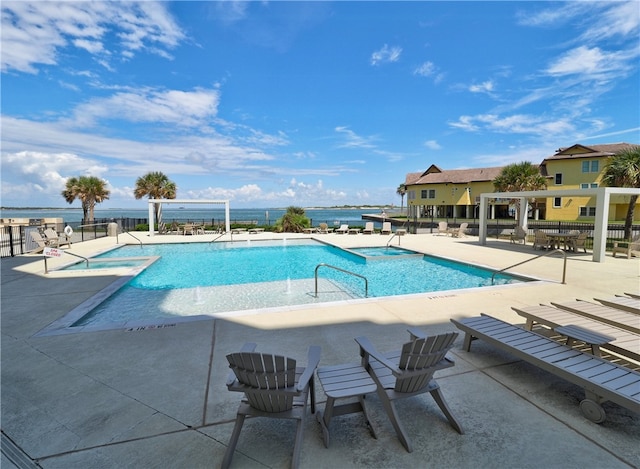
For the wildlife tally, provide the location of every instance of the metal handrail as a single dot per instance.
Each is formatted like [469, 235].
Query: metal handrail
[393, 236]
[46, 267]
[564, 266]
[133, 236]
[366, 282]
[221, 235]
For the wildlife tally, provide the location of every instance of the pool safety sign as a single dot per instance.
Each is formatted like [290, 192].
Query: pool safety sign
[53, 252]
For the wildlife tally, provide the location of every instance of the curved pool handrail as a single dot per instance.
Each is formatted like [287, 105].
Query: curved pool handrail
[564, 267]
[366, 282]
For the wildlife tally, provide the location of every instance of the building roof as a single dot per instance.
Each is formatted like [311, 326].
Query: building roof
[592, 151]
[435, 175]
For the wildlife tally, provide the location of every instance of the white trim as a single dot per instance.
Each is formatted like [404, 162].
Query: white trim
[187, 201]
[602, 194]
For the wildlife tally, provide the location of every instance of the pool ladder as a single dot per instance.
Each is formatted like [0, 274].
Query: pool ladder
[366, 282]
[564, 266]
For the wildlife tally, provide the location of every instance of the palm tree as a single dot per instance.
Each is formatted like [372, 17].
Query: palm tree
[293, 221]
[401, 191]
[90, 190]
[516, 177]
[156, 185]
[623, 170]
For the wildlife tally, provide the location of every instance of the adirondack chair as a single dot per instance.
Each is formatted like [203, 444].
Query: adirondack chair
[519, 235]
[409, 372]
[443, 228]
[628, 248]
[273, 387]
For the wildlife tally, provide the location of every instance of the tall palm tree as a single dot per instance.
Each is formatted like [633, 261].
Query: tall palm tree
[623, 170]
[516, 177]
[401, 191]
[156, 185]
[90, 190]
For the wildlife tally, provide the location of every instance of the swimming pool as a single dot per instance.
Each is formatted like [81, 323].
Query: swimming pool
[230, 277]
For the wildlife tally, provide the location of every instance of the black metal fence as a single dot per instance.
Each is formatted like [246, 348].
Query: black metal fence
[16, 240]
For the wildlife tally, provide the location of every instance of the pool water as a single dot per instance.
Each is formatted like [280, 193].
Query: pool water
[383, 251]
[209, 278]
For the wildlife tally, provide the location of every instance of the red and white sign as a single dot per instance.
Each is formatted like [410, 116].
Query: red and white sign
[53, 252]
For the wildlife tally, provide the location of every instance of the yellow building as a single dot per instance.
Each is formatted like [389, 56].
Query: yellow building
[455, 193]
[582, 167]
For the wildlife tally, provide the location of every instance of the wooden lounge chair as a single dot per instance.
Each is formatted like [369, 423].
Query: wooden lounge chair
[606, 314]
[626, 343]
[368, 228]
[386, 228]
[518, 235]
[343, 229]
[443, 228]
[541, 240]
[54, 239]
[625, 303]
[189, 229]
[602, 380]
[273, 387]
[40, 241]
[630, 248]
[409, 372]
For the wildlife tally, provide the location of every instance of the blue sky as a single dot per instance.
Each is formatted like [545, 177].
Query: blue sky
[271, 104]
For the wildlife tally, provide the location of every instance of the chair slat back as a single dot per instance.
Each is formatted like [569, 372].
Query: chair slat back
[422, 354]
[267, 375]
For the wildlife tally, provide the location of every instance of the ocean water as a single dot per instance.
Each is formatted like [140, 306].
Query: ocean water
[331, 216]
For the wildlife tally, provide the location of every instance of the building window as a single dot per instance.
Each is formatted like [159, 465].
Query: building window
[428, 194]
[411, 195]
[590, 166]
[558, 179]
[557, 202]
[587, 211]
[586, 185]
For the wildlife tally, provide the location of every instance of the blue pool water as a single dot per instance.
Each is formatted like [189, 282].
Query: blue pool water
[206, 278]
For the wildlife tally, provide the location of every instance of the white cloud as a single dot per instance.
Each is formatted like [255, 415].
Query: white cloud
[426, 69]
[432, 145]
[587, 61]
[354, 140]
[485, 87]
[386, 55]
[182, 108]
[35, 33]
[29, 175]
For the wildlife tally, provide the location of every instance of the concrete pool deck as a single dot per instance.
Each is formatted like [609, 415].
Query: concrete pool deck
[156, 397]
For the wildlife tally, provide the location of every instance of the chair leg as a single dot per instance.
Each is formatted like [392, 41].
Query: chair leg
[395, 421]
[228, 455]
[439, 398]
[297, 448]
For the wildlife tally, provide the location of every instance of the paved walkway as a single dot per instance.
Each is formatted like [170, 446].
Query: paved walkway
[156, 397]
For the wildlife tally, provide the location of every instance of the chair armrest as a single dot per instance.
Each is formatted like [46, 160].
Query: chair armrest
[248, 347]
[416, 333]
[367, 349]
[313, 360]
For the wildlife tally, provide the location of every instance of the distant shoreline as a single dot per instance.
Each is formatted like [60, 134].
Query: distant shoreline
[341, 207]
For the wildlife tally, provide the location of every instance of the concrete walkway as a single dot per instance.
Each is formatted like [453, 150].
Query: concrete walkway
[156, 398]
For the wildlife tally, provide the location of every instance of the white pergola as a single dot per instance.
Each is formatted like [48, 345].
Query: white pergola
[152, 202]
[602, 195]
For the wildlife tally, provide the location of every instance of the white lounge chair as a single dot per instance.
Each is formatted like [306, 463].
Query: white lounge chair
[386, 228]
[343, 229]
[368, 228]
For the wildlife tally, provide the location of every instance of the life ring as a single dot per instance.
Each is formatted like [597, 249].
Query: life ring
[68, 230]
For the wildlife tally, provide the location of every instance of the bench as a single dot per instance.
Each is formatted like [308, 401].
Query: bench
[601, 380]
